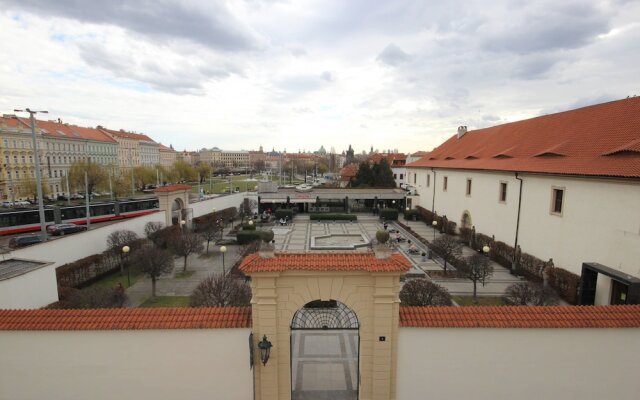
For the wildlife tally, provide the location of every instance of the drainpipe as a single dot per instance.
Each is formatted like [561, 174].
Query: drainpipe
[515, 246]
[433, 202]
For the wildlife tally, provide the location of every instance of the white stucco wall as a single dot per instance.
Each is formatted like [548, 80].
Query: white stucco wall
[600, 220]
[219, 203]
[146, 364]
[31, 290]
[441, 363]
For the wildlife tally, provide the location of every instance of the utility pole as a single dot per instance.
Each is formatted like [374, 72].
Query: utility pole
[133, 189]
[36, 155]
[87, 195]
[110, 186]
[68, 192]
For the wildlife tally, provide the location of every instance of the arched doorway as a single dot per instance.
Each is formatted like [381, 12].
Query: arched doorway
[324, 352]
[176, 210]
[465, 221]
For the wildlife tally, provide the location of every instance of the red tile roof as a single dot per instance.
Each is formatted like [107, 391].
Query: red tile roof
[172, 188]
[325, 262]
[393, 159]
[599, 140]
[349, 171]
[125, 319]
[127, 135]
[521, 317]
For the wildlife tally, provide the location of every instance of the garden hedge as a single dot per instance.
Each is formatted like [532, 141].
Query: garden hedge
[389, 214]
[334, 217]
[284, 213]
[245, 237]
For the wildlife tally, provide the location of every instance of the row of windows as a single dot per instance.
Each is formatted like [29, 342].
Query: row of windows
[557, 194]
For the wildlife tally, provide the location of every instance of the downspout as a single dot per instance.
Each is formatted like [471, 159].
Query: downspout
[515, 246]
[433, 201]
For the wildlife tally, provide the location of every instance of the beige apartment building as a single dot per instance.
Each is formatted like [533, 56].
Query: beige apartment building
[168, 155]
[225, 158]
[134, 149]
[59, 145]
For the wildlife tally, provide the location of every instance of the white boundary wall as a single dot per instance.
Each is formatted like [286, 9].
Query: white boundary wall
[20, 292]
[469, 363]
[142, 364]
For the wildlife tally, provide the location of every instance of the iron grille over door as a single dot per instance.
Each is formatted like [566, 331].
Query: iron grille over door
[330, 314]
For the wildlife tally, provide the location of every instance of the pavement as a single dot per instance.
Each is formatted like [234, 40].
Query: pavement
[296, 237]
[172, 284]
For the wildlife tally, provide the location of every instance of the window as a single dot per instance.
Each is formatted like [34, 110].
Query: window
[444, 183]
[6, 143]
[468, 186]
[502, 196]
[557, 197]
[415, 176]
[428, 180]
[395, 176]
[401, 176]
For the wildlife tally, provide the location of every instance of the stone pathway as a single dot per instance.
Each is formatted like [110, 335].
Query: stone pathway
[202, 266]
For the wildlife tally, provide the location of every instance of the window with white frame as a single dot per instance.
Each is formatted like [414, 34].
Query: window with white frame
[557, 200]
[468, 187]
[445, 183]
[502, 194]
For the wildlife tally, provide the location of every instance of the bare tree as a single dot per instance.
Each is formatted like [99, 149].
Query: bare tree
[478, 268]
[245, 209]
[529, 293]
[186, 244]
[448, 248]
[151, 228]
[117, 240]
[96, 297]
[153, 261]
[221, 291]
[421, 292]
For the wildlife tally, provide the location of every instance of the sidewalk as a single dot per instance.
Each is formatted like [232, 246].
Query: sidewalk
[494, 286]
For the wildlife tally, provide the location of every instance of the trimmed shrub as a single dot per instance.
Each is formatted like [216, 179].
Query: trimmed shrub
[266, 236]
[284, 213]
[412, 215]
[389, 214]
[245, 237]
[421, 292]
[334, 217]
[382, 236]
[565, 283]
[248, 227]
[207, 219]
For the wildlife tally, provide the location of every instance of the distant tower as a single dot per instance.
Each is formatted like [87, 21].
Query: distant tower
[260, 148]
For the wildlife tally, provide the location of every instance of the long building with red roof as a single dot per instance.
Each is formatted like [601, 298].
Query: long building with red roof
[563, 186]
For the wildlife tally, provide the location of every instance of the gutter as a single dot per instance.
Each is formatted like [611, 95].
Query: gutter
[515, 246]
[433, 201]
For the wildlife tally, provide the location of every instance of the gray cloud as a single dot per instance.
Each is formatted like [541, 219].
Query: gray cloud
[183, 78]
[393, 55]
[211, 25]
[550, 27]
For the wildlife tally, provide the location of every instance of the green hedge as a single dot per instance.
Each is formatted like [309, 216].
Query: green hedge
[245, 237]
[408, 215]
[248, 227]
[284, 213]
[333, 217]
[389, 214]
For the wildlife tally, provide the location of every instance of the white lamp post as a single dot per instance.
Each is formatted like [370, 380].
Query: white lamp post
[125, 252]
[486, 249]
[435, 224]
[223, 249]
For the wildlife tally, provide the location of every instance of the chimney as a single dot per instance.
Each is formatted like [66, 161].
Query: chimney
[461, 131]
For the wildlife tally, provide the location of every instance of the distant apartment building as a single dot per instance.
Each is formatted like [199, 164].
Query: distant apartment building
[134, 149]
[563, 186]
[59, 145]
[224, 158]
[168, 155]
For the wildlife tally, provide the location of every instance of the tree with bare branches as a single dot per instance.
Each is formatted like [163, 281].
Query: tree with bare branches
[221, 291]
[530, 293]
[151, 228]
[153, 261]
[186, 244]
[448, 248]
[421, 292]
[117, 240]
[478, 268]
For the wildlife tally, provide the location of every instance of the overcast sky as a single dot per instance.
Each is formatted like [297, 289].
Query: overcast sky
[295, 75]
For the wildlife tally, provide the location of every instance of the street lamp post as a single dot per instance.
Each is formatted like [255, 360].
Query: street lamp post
[406, 213]
[36, 156]
[223, 249]
[182, 225]
[486, 249]
[125, 252]
[435, 224]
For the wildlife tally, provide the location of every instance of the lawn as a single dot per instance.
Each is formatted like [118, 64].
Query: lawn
[184, 274]
[166, 301]
[112, 280]
[221, 184]
[480, 301]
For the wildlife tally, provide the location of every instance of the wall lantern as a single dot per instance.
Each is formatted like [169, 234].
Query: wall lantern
[265, 349]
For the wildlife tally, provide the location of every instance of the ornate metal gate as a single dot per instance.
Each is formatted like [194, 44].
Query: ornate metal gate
[330, 314]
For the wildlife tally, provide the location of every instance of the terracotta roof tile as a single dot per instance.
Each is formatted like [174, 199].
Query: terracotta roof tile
[325, 262]
[521, 317]
[172, 188]
[599, 140]
[125, 319]
[127, 135]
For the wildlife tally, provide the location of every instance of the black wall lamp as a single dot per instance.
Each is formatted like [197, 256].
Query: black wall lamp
[265, 348]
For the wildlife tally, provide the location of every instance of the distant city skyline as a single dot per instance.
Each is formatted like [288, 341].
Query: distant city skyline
[298, 75]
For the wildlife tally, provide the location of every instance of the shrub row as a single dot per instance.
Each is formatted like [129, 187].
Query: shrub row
[445, 226]
[389, 214]
[335, 217]
[284, 213]
[409, 215]
[206, 219]
[248, 227]
[246, 237]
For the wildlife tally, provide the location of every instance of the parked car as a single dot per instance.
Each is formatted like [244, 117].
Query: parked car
[22, 203]
[62, 197]
[64, 229]
[25, 240]
[77, 196]
[7, 204]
